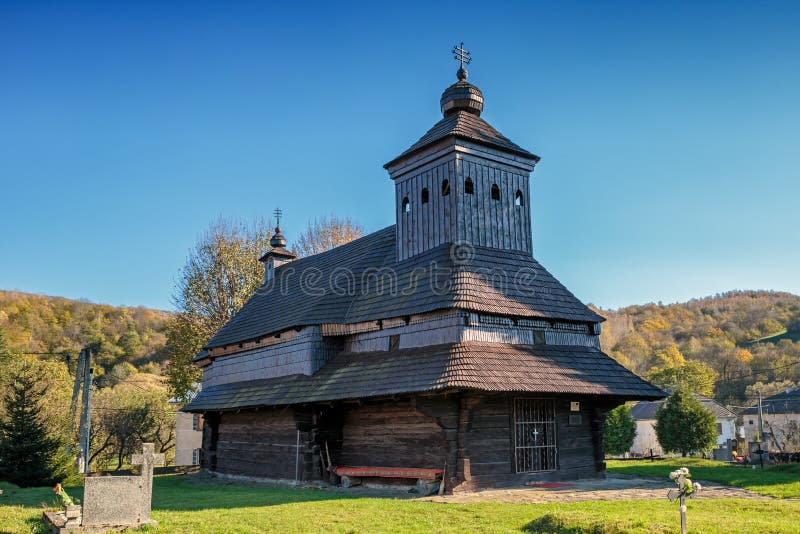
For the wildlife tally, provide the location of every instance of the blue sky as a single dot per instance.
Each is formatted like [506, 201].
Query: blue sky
[669, 133]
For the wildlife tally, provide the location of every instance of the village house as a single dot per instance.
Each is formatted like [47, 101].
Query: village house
[646, 441]
[781, 419]
[438, 344]
[188, 435]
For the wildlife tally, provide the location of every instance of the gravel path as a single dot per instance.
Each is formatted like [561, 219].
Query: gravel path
[613, 488]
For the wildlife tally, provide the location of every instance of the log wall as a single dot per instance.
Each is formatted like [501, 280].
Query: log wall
[259, 443]
[396, 434]
[468, 434]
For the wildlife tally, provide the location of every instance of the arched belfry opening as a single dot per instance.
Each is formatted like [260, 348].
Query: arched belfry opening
[445, 187]
[405, 206]
[424, 196]
[519, 200]
[469, 186]
[495, 192]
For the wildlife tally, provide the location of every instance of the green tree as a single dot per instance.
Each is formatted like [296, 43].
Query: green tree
[690, 374]
[130, 343]
[28, 454]
[684, 425]
[185, 338]
[619, 431]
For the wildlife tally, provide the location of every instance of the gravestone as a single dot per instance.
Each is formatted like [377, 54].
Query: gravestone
[113, 503]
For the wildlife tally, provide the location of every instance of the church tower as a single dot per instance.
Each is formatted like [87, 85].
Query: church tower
[463, 181]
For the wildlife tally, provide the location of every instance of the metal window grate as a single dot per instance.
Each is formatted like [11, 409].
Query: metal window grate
[535, 435]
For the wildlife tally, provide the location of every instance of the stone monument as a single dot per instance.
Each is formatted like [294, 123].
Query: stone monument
[112, 503]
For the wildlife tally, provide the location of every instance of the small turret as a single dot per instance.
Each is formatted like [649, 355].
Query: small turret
[278, 254]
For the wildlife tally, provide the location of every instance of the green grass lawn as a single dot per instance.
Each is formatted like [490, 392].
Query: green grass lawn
[190, 504]
[776, 480]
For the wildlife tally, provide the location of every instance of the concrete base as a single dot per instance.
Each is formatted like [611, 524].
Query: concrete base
[58, 523]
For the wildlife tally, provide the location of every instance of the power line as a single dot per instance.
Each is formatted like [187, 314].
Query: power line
[756, 373]
[67, 352]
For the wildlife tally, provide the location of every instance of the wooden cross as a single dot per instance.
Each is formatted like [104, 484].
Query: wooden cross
[278, 214]
[461, 55]
[535, 435]
[681, 494]
[147, 459]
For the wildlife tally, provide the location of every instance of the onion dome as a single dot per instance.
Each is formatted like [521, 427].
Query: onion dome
[277, 240]
[462, 96]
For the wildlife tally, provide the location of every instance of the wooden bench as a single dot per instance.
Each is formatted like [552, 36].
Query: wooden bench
[426, 478]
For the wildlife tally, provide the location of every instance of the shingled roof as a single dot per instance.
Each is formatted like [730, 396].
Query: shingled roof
[785, 402]
[362, 281]
[647, 410]
[466, 125]
[540, 369]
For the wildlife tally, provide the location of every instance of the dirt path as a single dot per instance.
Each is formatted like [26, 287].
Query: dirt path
[614, 488]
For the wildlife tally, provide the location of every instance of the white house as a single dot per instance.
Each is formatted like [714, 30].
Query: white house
[188, 435]
[644, 413]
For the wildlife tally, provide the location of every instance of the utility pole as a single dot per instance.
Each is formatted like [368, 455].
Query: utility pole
[88, 424]
[76, 388]
[85, 408]
[760, 431]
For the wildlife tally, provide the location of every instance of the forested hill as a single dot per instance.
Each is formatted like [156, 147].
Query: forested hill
[745, 336]
[39, 324]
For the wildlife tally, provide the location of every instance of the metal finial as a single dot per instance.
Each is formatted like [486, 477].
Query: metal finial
[278, 214]
[463, 57]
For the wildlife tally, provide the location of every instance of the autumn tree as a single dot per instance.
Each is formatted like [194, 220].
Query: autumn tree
[135, 411]
[220, 274]
[326, 233]
[684, 425]
[619, 431]
[769, 389]
[691, 374]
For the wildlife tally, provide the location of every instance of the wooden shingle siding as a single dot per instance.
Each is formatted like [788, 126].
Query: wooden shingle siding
[303, 353]
[466, 126]
[452, 328]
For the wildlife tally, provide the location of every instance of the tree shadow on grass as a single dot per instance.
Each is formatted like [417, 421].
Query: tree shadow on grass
[202, 492]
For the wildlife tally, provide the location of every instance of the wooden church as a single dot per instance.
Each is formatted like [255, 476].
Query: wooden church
[436, 347]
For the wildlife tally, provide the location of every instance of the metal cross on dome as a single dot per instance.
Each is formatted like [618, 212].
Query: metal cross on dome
[278, 214]
[461, 55]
